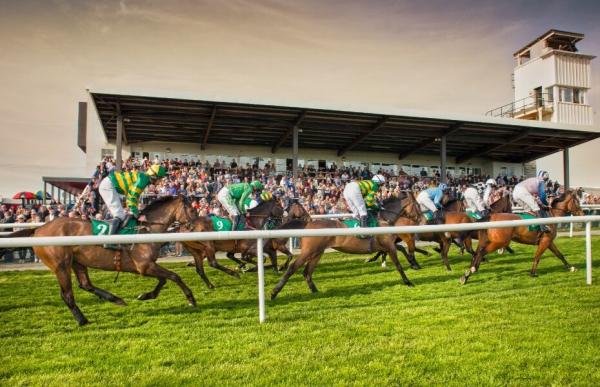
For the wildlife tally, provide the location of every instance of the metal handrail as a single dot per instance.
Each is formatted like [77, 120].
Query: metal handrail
[510, 109]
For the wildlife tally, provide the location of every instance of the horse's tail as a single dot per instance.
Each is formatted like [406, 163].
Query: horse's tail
[26, 232]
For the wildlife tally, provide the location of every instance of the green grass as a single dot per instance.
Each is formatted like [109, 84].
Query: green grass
[364, 327]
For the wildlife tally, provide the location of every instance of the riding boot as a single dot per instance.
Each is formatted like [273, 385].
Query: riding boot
[113, 228]
[543, 214]
[364, 221]
[236, 222]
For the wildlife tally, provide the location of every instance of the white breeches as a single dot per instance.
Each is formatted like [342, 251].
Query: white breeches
[473, 200]
[525, 199]
[111, 198]
[354, 199]
[227, 202]
[426, 203]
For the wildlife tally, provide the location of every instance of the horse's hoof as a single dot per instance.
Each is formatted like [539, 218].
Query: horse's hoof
[211, 286]
[410, 284]
[500, 251]
[145, 296]
[448, 268]
[192, 302]
[463, 280]
[83, 322]
[273, 296]
[120, 302]
[383, 264]
[572, 269]
[533, 274]
[191, 264]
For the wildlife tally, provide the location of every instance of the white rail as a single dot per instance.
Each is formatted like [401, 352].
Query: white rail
[260, 235]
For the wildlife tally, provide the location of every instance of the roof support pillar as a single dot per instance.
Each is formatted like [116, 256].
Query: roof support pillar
[295, 151]
[566, 176]
[119, 160]
[44, 193]
[443, 175]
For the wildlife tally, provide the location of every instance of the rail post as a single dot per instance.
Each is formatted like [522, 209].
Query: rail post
[588, 252]
[571, 230]
[261, 280]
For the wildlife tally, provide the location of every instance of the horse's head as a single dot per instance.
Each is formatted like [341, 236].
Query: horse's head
[266, 212]
[568, 203]
[296, 211]
[404, 206]
[169, 209]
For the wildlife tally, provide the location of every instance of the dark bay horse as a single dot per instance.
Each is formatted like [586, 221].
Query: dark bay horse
[269, 212]
[497, 238]
[312, 248]
[139, 258]
[443, 239]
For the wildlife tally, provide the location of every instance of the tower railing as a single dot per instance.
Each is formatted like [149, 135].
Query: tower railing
[523, 106]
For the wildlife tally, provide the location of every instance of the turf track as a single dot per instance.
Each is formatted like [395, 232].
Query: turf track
[364, 327]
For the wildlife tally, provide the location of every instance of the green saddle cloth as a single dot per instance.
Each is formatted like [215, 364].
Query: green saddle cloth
[533, 227]
[352, 223]
[224, 224]
[100, 227]
[473, 215]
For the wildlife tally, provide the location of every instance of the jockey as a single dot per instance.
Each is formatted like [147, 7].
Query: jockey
[130, 184]
[473, 201]
[524, 193]
[233, 199]
[362, 194]
[431, 200]
[490, 186]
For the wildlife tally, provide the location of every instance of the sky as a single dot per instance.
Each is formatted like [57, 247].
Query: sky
[449, 56]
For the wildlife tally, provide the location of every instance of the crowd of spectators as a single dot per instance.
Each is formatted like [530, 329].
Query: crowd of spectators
[319, 191]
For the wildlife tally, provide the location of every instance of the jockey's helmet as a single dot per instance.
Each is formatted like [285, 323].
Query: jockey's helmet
[156, 170]
[443, 186]
[266, 196]
[491, 182]
[543, 175]
[257, 185]
[378, 179]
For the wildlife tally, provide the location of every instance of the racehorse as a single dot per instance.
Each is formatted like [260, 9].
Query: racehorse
[496, 238]
[443, 239]
[139, 258]
[312, 248]
[266, 214]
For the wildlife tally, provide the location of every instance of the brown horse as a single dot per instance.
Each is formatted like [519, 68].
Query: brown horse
[259, 217]
[497, 238]
[312, 248]
[443, 239]
[139, 258]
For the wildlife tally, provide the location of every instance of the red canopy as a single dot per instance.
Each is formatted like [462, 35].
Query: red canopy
[24, 195]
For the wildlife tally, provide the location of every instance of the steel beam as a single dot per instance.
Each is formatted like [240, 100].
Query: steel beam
[288, 132]
[208, 128]
[357, 140]
[295, 131]
[119, 160]
[490, 148]
[430, 140]
[566, 176]
[443, 161]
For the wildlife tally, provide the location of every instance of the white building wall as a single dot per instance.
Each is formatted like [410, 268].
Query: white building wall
[572, 70]
[572, 113]
[535, 73]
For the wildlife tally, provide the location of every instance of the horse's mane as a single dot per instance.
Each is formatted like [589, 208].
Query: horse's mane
[561, 198]
[260, 206]
[392, 199]
[158, 202]
[293, 224]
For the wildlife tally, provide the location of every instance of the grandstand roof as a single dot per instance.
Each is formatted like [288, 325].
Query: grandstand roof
[402, 132]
